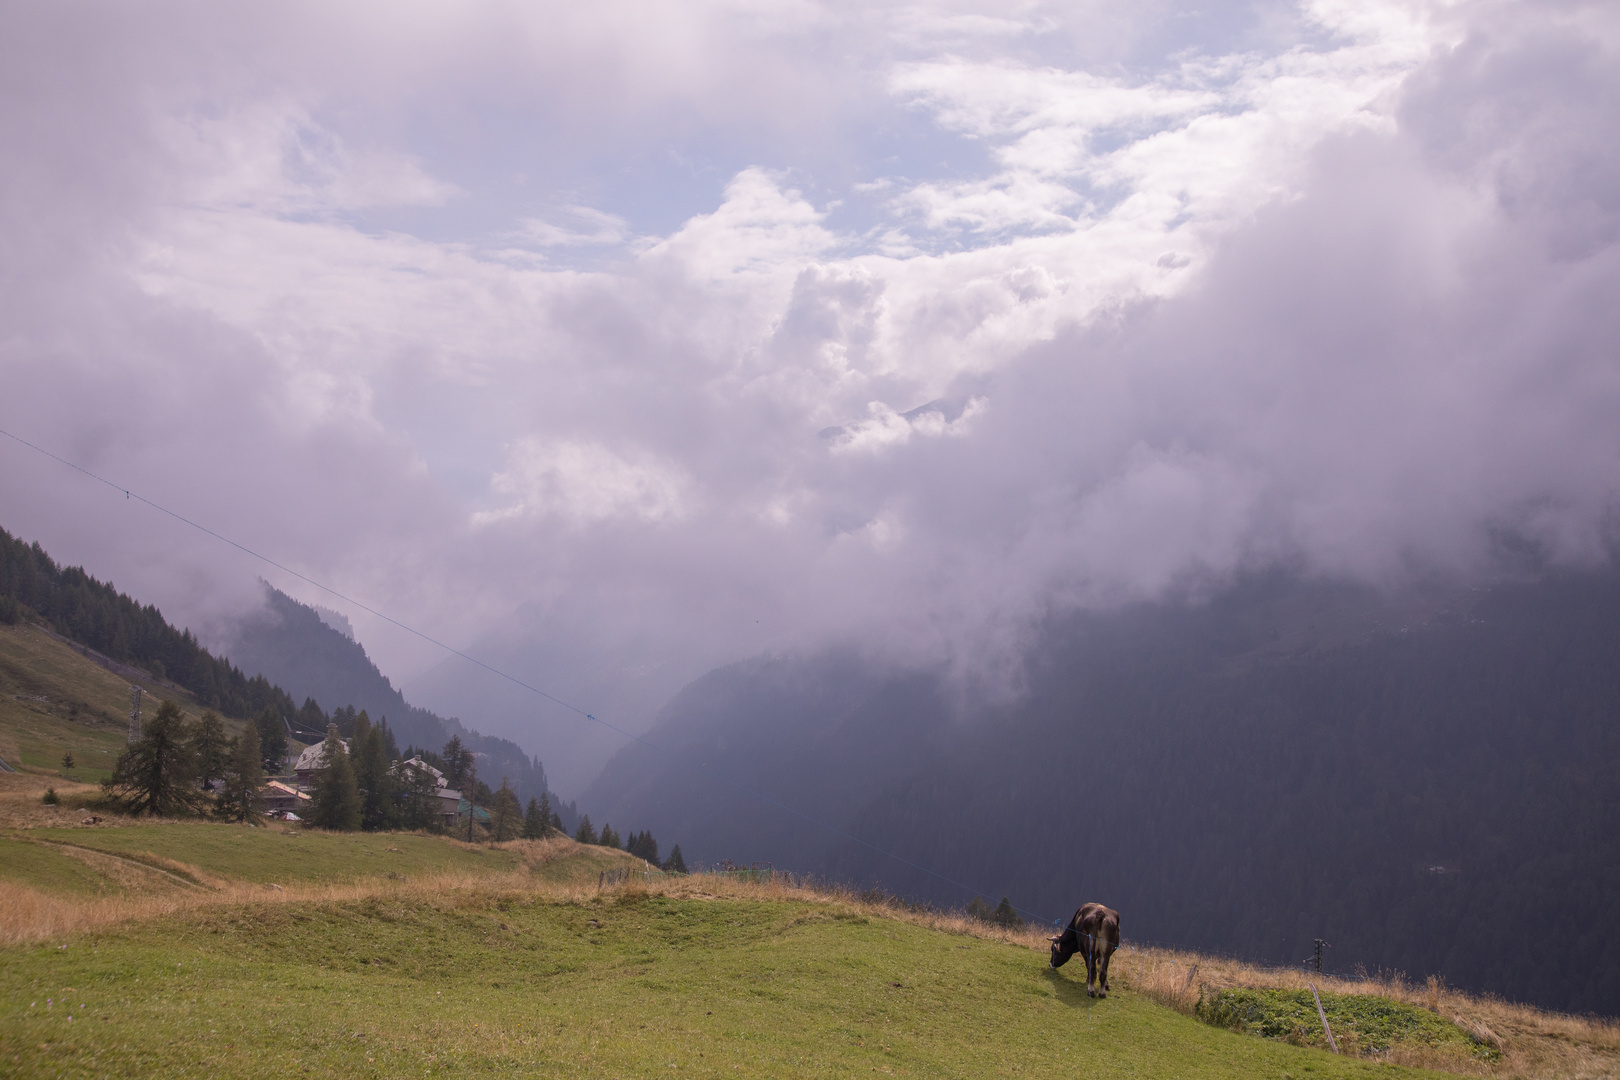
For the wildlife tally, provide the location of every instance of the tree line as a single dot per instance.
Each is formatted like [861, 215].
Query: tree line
[94, 613]
[178, 768]
[642, 844]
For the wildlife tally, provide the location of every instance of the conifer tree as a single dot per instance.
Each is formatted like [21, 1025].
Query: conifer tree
[1006, 915]
[459, 766]
[609, 838]
[242, 777]
[535, 825]
[505, 814]
[586, 833]
[420, 798]
[157, 773]
[335, 802]
[272, 739]
[211, 748]
[643, 846]
[310, 717]
[379, 806]
[675, 864]
[388, 739]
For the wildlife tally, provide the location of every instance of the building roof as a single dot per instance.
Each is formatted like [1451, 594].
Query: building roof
[311, 758]
[422, 766]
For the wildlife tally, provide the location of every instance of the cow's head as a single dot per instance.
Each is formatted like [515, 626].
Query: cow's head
[1064, 946]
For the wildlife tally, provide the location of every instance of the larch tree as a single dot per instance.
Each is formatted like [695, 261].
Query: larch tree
[157, 773]
[272, 739]
[460, 768]
[535, 821]
[506, 815]
[419, 798]
[211, 748]
[335, 802]
[243, 776]
[379, 786]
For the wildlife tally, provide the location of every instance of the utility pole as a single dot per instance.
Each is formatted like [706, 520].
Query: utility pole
[1317, 959]
[134, 715]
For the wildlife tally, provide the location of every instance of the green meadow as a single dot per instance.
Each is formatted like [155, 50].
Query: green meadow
[487, 982]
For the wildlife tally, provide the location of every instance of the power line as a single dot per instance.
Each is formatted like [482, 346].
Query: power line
[130, 495]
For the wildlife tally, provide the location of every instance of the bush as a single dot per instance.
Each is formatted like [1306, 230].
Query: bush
[50, 798]
[1363, 1023]
[1003, 914]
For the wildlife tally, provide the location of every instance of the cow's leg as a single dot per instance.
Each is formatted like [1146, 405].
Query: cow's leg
[1088, 945]
[1107, 950]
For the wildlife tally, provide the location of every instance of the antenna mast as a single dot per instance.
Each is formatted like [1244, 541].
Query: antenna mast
[134, 715]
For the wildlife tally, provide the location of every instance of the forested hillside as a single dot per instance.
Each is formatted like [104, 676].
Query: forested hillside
[1430, 782]
[96, 614]
[288, 647]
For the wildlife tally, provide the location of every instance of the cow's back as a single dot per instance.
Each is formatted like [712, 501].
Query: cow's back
[1098, 923]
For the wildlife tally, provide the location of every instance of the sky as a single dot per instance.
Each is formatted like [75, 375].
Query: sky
[614, 342]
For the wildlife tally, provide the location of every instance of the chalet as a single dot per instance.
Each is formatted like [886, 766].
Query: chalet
[281, 799]
[312, 758]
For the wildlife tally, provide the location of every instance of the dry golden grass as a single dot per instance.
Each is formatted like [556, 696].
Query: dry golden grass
[28, 915]
[21, 806]
[1535, 1045]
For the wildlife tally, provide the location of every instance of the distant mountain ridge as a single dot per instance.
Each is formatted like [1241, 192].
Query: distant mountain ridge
[296, 646]
[1290, 760]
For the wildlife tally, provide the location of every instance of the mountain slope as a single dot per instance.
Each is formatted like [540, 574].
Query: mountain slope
[1414, 779]
[294, 647]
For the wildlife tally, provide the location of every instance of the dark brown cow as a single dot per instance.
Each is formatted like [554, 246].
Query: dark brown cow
[1094, 934]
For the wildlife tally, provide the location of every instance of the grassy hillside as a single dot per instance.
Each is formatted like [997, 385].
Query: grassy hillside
[491, 981]
[192, 949]
[54, 700]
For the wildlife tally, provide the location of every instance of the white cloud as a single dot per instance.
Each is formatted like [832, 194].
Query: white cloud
[593, 227]
[582, 483]
[1334, 285]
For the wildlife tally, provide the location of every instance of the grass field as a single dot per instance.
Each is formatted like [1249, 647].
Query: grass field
[477, 981]
[193, 949]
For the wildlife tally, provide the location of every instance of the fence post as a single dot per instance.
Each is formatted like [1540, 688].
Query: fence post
[1321, 1012]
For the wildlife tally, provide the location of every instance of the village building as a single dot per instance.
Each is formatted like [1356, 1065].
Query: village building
[311, 759]
[283, 800]
[450, 800]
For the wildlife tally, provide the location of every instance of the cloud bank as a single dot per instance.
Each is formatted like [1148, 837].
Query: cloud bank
[615, 344]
